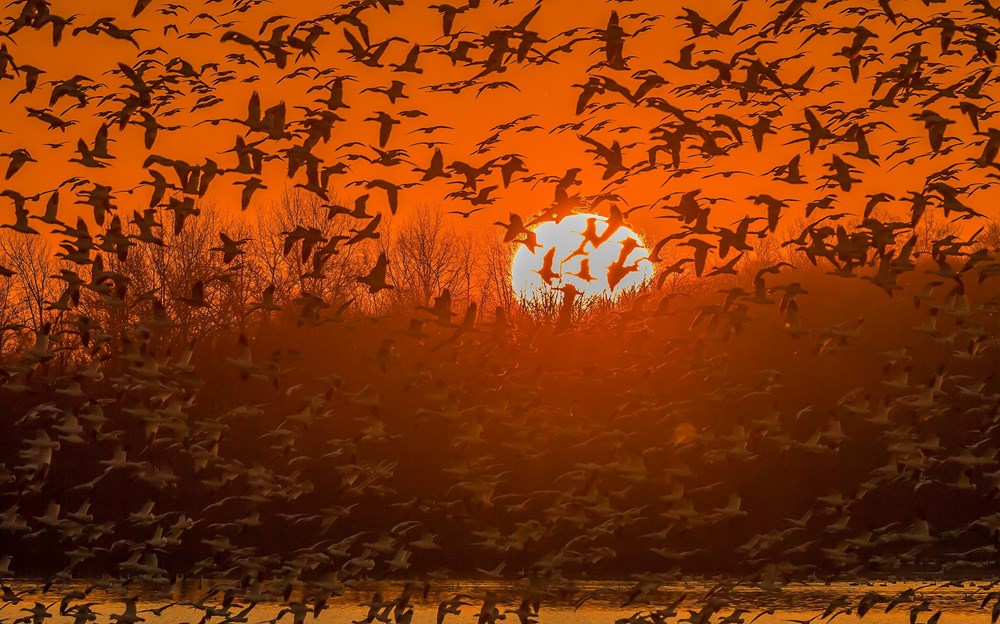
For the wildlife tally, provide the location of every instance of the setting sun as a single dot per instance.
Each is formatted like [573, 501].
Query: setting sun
[583, 252]
[507, 312]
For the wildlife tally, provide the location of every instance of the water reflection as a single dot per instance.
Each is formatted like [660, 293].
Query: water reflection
[193, 602]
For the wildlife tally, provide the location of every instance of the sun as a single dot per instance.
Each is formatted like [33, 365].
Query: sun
[584, 252]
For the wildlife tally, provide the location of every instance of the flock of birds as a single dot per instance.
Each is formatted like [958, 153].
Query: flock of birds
[913, 600]
[444, 442]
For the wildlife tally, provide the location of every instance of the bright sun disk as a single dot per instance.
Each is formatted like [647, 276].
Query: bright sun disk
[617, 263]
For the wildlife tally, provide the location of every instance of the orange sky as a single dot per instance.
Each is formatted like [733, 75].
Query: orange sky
[543, 90]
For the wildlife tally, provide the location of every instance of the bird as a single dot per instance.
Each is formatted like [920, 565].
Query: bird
[376, 278]
[230, 248]
[18, 158]
[210, 409]
[250, 186]
[546, 270]
[583, 272]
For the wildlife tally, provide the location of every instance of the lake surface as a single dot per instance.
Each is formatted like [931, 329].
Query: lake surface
[604, 603]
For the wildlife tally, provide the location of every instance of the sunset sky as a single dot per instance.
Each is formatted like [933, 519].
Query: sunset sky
[545, 91]
[390, 307]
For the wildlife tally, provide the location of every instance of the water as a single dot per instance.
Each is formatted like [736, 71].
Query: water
[958, 604]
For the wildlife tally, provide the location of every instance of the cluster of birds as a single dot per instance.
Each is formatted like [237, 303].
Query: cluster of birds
[719, 598]
[447, 443]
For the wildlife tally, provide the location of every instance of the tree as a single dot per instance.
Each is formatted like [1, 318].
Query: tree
[329, 269]
[32, 286]
[427, 256]
[494, 258]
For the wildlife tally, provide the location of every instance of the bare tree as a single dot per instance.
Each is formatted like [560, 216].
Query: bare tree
[32, 286]
[990, 236]
[426, 256]
[326, 269]
[11, 314]
[494, 260]
[931, 228]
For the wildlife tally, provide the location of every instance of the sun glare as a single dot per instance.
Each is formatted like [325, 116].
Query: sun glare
[580, 252]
